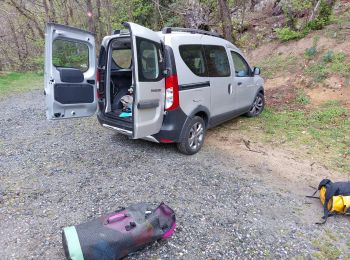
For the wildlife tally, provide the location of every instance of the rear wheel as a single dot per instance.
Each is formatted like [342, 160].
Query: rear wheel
[257, 106]
[194, 137]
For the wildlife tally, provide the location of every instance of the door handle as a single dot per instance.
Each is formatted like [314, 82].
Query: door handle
[91, 81]
[146, 104]
[230, 89]
[239, 83]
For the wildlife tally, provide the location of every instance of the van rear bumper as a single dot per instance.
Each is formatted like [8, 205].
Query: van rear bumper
[171, 130]
[173, 123]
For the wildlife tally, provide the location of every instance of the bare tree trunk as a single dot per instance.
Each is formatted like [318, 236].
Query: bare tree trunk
[109, 22]
[24, 13]
[158, 17]
[52, 11]
[17, 44]
[66, 12]
[90, 15]
[47, 11]
[99, 26]
[225, 15]
[314, 11]
[243, 12]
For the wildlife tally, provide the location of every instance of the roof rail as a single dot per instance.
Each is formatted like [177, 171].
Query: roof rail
[167, 30]
[122, 31]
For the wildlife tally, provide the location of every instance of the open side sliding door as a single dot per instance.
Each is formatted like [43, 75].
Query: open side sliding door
[148, 80]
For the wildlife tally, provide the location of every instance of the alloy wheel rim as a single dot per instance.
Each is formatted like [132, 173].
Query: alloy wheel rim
[257, 105]
[196, 135]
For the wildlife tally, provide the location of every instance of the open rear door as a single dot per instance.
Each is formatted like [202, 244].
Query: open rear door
[148, 80]
[70, 67]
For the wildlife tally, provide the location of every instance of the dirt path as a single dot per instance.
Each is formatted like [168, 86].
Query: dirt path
[230, 202]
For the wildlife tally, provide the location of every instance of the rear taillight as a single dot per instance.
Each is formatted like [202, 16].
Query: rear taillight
[171, 93]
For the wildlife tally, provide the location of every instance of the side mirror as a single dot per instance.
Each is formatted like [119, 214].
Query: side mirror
[256, 71]
[165, 72]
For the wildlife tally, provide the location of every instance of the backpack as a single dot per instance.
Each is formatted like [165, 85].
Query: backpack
[117, 234]
[335, 198]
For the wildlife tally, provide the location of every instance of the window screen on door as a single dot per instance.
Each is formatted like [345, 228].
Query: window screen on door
[241, 67]
[217, 61]
[193, 56]
[149, 60]
[70, 54]
[122, 58]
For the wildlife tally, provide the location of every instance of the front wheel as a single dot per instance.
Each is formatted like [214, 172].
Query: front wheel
[194, 137]
[257, 106]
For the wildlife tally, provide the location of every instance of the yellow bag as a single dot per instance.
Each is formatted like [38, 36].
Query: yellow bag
[335, 198]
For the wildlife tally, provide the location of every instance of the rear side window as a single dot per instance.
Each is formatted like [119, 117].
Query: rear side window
[122, 58]
[217, 61]
[149, 60]
[241, 67]
[193, 56]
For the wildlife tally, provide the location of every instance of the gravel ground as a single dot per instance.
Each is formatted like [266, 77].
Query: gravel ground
[55, 174]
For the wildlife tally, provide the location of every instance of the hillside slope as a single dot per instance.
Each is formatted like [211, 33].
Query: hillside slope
[319, 64]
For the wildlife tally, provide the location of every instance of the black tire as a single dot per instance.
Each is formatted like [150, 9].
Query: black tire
[257, 106]
[194, 137]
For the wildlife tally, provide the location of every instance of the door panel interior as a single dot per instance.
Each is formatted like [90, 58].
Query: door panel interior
[74, 93]
[70, 66]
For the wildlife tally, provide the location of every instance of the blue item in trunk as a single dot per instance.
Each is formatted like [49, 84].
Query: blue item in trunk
[125, 114]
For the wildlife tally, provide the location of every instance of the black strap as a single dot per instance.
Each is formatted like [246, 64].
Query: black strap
[312, 197]
[315, 192]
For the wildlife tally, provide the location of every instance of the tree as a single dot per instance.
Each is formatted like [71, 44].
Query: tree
[227, 27]
[90, 15]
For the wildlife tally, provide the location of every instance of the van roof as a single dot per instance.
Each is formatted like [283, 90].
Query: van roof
[167, 30]
[199, 38]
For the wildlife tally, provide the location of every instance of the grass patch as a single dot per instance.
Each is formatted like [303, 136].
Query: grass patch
[273, 65]
[14, 82]
[331, 63]
[323, 132]
[302, 98]
[326, 249]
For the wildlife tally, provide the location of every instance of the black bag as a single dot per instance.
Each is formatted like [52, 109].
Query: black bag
[115, 235]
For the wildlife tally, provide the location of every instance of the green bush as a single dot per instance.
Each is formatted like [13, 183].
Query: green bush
[316, 24]
[328, 57]
[287, 34]
[323, 18]
[310, 52]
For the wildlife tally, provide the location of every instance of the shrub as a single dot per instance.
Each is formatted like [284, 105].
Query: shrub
[287, 34]
[310, 52]
[328, 57]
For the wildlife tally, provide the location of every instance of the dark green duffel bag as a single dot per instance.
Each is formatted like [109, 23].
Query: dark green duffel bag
[117, 234]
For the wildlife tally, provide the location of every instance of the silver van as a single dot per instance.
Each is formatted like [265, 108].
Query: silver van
[167, 87]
